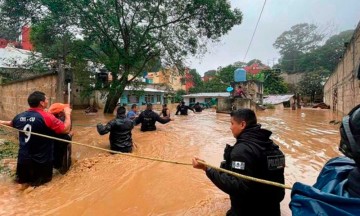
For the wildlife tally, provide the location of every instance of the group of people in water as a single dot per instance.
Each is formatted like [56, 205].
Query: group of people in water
[253, 154]
[121, 126]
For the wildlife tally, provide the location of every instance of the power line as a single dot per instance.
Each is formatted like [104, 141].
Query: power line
[254, 31]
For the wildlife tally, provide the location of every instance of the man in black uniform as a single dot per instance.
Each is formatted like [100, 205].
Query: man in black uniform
[254, 154]
[148, 118]
[120, 131]
[183, 109]
[197, 107]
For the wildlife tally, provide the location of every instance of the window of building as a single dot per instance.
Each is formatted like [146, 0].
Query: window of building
[133, 99]
[158, 98]
[191, 100]
[149, 98]
[207, 100]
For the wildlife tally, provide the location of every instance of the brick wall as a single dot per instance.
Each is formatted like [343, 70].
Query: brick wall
[342, 89]
[13, 96]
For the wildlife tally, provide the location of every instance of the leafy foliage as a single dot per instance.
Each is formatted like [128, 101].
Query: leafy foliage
[274, 83]
[127, 37]
[8, 150]
[226, 74]
[292, 44]
[312, 84]
[178, 95]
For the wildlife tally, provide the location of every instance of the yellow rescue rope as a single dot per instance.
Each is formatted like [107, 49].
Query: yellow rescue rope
[161, 160]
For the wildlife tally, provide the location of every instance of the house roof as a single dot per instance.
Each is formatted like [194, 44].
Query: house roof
[11, 57]
[145, 89]
[277, 99]
[208, 94]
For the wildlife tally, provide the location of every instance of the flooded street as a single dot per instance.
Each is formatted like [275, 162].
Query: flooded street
[102, 184]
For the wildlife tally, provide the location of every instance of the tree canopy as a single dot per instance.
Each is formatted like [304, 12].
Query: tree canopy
[300, 39]
[127, 37]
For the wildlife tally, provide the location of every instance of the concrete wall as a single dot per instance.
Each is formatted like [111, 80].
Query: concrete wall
[13, 96]
[292, 78]
[228, 104]
[342, 89]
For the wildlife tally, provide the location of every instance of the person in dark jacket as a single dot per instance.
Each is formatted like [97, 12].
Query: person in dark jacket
[120, 131]
[183, 109]
[254, 154]
[148, 118]
[197, 107]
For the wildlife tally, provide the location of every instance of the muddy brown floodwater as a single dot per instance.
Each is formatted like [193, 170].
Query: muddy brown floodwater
[102, 184]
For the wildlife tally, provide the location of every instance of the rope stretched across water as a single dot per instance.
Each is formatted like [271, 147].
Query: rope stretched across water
[276, 184]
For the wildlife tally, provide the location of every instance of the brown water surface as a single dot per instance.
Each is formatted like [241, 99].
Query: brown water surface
[103, 184]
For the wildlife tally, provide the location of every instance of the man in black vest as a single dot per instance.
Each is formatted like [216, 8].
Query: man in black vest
[183, 109]
[148, 118]
[254, 154]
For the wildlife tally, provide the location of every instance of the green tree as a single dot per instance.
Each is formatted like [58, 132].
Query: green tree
[226, 74]
[129, 36]
[292, 44]
[178, 95]
[215, 85]
[195, 77]
[274, 83]
[312, 84]
[198, 83]
[326, 56]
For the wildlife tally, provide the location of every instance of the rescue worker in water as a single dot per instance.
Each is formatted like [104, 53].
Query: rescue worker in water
[254, 154]
[148, 118]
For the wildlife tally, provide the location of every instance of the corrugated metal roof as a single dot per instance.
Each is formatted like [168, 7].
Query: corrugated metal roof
[145, 89]
[276, 99]
[10, 55]
[209, 94]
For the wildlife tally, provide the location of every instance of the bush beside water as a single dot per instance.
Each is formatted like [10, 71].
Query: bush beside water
[8, 152]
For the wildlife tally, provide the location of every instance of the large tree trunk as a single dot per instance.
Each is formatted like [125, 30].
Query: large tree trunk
[111, 101]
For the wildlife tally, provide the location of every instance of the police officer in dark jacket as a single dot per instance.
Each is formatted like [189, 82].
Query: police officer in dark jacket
[183, 109]
[120, 131]
[148, 118]
[254, 154]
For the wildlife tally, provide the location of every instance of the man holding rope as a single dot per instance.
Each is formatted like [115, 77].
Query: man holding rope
[120, 132]
[254, 154]
[35, 157]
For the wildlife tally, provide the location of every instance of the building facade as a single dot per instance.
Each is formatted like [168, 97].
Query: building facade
[342, 89]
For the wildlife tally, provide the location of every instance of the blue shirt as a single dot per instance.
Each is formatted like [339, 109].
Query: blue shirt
[131, 115]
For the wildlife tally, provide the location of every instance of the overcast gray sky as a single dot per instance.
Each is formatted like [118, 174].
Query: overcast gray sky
[278, 16]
